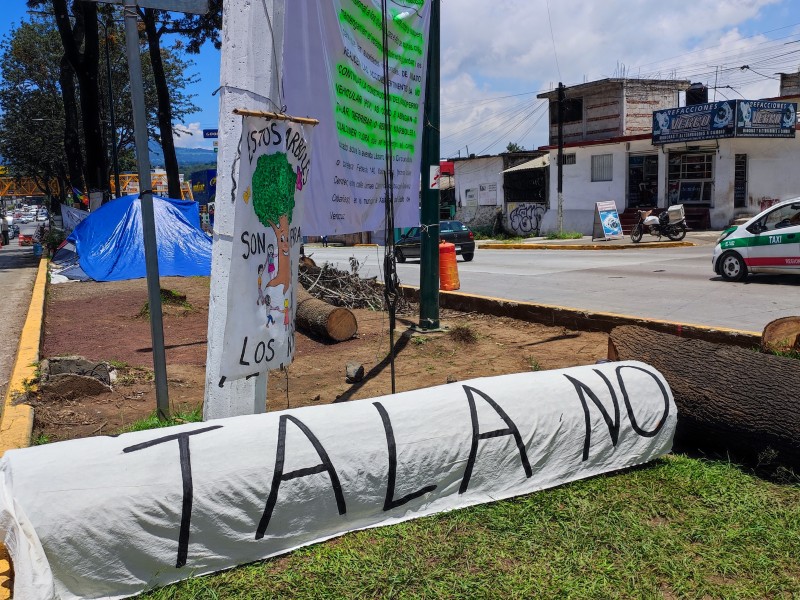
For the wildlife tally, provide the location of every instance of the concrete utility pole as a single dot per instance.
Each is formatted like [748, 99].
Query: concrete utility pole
[249, 78]
[560, 157]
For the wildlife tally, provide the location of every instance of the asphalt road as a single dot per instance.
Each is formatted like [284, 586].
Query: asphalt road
[17, 273]
[673, 284]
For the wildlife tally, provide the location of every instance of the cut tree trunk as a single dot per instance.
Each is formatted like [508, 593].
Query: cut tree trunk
[324, 320]
[728, 398]
[781, 335]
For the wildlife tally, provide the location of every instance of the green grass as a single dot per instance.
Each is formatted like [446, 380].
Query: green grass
[169, 298]
[563, 235]
[41, 439]
[153, 422]
[787, 354]
[678, 528]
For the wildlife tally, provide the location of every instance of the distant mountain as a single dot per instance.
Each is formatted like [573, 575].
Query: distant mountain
[186, 157]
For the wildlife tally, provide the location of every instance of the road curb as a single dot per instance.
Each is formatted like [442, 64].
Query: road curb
[16, 424]
[536, 246]
[584, 320]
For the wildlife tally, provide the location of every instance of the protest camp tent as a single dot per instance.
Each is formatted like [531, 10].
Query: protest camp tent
[110, 245]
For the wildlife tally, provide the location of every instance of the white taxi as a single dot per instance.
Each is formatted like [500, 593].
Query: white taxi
[767, 243]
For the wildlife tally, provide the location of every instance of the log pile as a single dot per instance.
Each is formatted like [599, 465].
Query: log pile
[728, 398]
[344, 289]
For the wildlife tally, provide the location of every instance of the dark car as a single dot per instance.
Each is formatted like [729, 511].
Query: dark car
[454, 232]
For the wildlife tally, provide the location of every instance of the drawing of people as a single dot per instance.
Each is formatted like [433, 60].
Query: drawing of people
[270, 262]
[270, 308]
[260, 300]
[286, 315]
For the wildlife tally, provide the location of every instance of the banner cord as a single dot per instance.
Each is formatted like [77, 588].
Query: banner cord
[389, 262]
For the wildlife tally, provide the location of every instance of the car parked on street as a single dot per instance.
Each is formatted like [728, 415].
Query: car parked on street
[455, 232]
[767, 243]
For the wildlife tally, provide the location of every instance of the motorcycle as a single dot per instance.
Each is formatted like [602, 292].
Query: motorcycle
[670, 223]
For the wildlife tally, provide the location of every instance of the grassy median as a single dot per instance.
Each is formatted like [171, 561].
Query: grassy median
[677, 528]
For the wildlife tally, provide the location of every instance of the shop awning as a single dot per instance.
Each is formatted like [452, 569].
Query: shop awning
[536, 163]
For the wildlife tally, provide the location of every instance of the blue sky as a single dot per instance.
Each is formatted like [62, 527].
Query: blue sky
[496, 56]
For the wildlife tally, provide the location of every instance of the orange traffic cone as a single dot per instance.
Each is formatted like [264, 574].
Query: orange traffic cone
[448, 269]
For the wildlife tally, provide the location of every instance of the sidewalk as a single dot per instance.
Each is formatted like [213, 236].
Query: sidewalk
[693, 238]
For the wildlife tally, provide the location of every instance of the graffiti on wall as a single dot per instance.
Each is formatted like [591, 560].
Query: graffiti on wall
[525, 218]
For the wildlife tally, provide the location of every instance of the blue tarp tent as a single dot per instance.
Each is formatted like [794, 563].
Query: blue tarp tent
[110, 243]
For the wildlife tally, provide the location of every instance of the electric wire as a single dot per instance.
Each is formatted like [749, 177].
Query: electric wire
[391, 282]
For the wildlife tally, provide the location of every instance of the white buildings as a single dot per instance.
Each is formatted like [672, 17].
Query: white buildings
[708, 158]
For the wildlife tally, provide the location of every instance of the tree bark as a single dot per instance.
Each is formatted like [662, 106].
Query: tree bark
[323, 320]
[82, 49]
[164, 105]
[72, 141]
[781, 335]
[727, 397]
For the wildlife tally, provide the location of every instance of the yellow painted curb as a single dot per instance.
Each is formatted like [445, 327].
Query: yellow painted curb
[583, 246]
[16, 423]
[581, 319]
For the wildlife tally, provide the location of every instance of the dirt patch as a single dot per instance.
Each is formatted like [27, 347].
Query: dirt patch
[102, 321]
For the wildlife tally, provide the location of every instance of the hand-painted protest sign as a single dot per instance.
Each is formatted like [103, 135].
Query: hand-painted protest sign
[274, 171]
[158, 506]
[333, 70]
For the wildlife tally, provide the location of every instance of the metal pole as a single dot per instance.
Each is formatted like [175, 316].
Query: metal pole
[117, 192]
[429, 210]
[560, 157]
[146, 199]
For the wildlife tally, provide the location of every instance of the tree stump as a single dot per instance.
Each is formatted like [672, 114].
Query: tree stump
[324, 320]
[781, 335]
[731, 398]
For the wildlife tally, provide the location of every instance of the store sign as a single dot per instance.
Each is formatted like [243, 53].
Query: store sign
[726, 119]
[333, 70]
[691, 123]
[760, 119]
[607, 225]
[112, 516]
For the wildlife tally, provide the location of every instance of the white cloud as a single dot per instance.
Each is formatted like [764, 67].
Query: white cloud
[190, 135]
[505, 47]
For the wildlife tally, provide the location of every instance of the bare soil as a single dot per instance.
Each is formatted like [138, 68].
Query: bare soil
[103, 321]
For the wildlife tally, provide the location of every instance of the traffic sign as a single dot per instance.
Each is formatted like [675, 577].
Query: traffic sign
[210, 133]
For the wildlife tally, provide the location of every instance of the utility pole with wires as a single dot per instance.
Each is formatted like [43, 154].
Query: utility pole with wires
[429, 206]
[560, 157]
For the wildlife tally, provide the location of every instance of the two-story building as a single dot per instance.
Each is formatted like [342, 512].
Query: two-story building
[614, 149]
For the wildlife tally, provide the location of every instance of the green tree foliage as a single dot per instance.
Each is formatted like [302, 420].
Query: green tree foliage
[274, 182]
[32, 120]
[514, 147]
[32, 88]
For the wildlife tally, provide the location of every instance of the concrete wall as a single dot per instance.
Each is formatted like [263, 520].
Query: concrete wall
[471, 175]
[580, 192]
[772, 175]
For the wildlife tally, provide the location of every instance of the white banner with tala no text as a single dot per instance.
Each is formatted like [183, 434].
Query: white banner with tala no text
[109, 517]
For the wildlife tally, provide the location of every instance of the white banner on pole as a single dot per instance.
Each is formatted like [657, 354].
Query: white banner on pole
[333, 70]
[108, 517]
[274, 170]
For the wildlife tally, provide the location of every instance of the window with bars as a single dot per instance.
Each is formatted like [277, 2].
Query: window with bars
[602, 167]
